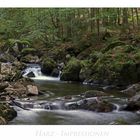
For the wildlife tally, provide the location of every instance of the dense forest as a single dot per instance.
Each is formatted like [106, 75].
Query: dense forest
[97, 47]
[63, 25]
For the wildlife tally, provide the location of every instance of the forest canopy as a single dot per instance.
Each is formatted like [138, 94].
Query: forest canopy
[63, 25]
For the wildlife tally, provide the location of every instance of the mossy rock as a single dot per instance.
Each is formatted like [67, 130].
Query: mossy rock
[71, 70]
[7, 112]
[27, 51]
[48, 65]
[120, 65]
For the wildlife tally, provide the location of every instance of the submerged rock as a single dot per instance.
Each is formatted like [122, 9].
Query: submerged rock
[30, 74]
[102, 106]
[71, 106]
[93, 93]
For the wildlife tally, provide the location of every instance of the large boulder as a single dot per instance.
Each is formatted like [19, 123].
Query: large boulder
[71, 71]
[32, 90]
[17, 89]
[48, 65]
[21, 88]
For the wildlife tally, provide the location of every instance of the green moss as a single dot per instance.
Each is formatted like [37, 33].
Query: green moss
[27, 51]
[71, 70]
[11, 42]
[95, 56]
[121, 64]
[48, 65]
[57, 53]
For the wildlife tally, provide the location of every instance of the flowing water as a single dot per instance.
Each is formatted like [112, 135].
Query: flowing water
[58, 95]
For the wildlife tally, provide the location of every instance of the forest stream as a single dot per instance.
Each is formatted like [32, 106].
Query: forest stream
[58, 104]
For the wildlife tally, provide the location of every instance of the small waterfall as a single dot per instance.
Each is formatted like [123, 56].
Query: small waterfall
[36, 70]
[117, 107]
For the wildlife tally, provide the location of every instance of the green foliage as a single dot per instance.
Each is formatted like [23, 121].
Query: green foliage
[71, 70]
[120, 63]
[27, 51]
[112, 45]
[95, 56]
[48, 65]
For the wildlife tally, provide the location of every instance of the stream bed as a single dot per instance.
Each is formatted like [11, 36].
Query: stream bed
[58, 91]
